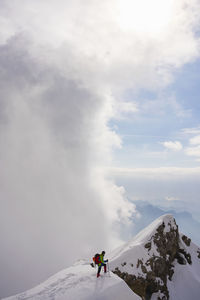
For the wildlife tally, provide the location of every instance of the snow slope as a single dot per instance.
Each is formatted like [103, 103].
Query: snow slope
[186, 279]
[185, 282]
[134, 249]
[141, 257]
[79, 282]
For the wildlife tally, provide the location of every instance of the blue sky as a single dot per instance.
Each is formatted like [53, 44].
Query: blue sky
[171, 111]
[173, 115]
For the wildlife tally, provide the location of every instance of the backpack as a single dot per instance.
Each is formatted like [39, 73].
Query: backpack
[96, 259]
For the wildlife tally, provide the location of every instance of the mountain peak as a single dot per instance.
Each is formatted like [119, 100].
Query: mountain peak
[149, 262]
[167, 218]
[167, 222]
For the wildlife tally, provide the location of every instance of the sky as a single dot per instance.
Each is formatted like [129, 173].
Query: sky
[98, 108]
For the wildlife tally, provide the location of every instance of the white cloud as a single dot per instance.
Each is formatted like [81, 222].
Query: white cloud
[164, 105]
[124, 109]
[195, 140]
[154, 184]
[54, 140]
[193, 151]
[178, 108]
[161, 172]
[174, 146]
[101, 52]
[170, 198]
[189, 131]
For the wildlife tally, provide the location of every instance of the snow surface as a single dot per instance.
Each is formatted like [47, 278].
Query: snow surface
[145, 235]
[133, 250]
[79, 282]
[185, 282]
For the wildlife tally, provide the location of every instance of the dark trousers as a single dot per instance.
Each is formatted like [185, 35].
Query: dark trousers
[99, 269]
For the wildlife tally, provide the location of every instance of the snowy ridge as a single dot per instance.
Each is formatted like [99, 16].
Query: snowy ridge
[143, 236]
[79, 282]
[135, 249]
[162, 259]
[159, 263]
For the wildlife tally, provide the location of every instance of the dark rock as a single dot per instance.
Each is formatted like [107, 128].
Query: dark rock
[180, 259]
[148, 246]
[186, 240]
[139, 262]
[186, 255]
[158, 269]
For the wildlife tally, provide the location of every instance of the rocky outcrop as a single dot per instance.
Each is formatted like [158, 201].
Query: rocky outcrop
[144, 287]
[186, 240]
[163, 250]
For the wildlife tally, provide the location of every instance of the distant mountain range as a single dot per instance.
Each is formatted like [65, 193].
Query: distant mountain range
[149, 212]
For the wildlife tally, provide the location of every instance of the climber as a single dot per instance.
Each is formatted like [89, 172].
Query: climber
[101, 263]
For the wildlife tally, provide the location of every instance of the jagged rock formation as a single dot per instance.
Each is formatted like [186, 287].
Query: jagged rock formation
[155, 253]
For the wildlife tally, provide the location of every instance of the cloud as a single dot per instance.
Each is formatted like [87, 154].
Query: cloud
[170, 198]
[195, 140]
[174, 146]
[64, 69]
[189, 131]
[164, 104]
[153, 184]
[193, 151]
[101, 52]
[54, 197]
[123, 110]
[164, 172]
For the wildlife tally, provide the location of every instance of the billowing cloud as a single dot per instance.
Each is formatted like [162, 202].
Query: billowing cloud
[54, 198]
[174, 146]
[64, 68]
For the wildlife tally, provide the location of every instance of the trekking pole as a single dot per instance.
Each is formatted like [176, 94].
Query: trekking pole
[108, 268]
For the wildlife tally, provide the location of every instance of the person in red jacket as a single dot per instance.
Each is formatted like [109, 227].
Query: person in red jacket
[102, 263]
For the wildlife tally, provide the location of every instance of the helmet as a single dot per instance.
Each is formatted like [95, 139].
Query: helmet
[103, 252]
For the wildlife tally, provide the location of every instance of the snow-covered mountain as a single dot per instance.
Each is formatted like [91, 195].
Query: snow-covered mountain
[79, 282]
[158, 263]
